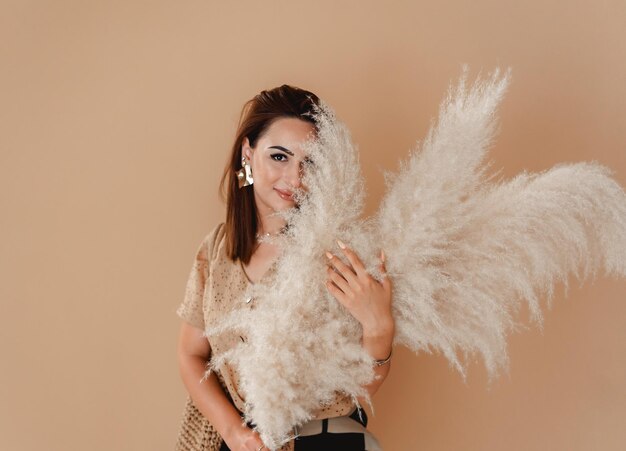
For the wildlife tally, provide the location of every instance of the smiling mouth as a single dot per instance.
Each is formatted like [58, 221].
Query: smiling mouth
[284, 195]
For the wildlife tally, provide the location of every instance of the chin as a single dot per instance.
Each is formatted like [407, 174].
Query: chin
[286, 206]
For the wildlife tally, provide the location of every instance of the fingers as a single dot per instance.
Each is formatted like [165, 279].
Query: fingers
[382, 261]
[385, 282]
[357, 269]
[354, 259]
[337, 279]
[347, 277]
[337, 293]
[344, 270]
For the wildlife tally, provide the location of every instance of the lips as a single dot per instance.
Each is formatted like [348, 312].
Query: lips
[287, 195]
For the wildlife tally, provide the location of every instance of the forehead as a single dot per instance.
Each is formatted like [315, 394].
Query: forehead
[288, 131]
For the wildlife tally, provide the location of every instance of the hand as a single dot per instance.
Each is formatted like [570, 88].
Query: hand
[367, 299]
[245, 439]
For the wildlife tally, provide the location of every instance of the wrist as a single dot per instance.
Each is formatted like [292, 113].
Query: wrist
[381, 330]
[378, 344]
[381, 362]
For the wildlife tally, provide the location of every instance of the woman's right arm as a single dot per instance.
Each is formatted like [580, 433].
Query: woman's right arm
[208, 396]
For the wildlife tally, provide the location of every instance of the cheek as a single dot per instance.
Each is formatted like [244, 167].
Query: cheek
[267, 174]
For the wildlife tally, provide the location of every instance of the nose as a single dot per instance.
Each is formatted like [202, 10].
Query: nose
[294, 176]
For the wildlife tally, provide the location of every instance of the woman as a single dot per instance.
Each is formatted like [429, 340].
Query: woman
[264, 169]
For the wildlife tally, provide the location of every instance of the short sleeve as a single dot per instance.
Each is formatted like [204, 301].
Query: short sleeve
[191, 308]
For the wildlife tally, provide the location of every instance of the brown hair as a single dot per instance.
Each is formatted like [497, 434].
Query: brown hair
[256, 117]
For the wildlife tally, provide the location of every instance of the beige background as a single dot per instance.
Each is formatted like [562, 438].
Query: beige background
[116, 118]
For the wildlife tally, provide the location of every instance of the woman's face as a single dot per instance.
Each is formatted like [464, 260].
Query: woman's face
[277, 162]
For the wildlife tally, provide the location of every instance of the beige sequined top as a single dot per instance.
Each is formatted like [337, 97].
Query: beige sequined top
[216, 285]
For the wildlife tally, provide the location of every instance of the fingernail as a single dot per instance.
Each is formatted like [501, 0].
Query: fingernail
[329, 255]
[341, 245]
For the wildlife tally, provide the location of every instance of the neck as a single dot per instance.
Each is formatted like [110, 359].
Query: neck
[269, 221]
[271, 224]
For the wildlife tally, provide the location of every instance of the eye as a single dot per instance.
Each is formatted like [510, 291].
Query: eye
[278, 155]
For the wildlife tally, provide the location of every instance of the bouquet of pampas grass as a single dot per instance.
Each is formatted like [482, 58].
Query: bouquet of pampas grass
[463, 253]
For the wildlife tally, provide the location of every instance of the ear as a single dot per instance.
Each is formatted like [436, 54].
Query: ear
[246, 150]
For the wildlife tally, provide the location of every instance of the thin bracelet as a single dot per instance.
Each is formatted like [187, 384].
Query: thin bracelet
[382, 362]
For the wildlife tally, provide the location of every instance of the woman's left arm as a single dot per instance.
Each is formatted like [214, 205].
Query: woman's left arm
[378, 345]
[369, 301]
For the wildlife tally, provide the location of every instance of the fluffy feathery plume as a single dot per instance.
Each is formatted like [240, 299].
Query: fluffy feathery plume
[463, 254]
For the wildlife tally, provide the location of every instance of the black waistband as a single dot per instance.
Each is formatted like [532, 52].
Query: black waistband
[362, 419]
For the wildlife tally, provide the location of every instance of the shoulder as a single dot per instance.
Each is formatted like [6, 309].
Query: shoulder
[212, 241]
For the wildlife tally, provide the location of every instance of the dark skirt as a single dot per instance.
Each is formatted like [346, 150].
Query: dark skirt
[343, 441]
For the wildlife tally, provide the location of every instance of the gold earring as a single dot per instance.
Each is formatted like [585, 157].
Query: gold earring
[244, 175]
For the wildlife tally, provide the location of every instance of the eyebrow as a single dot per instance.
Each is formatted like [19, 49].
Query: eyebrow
[281, 148]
